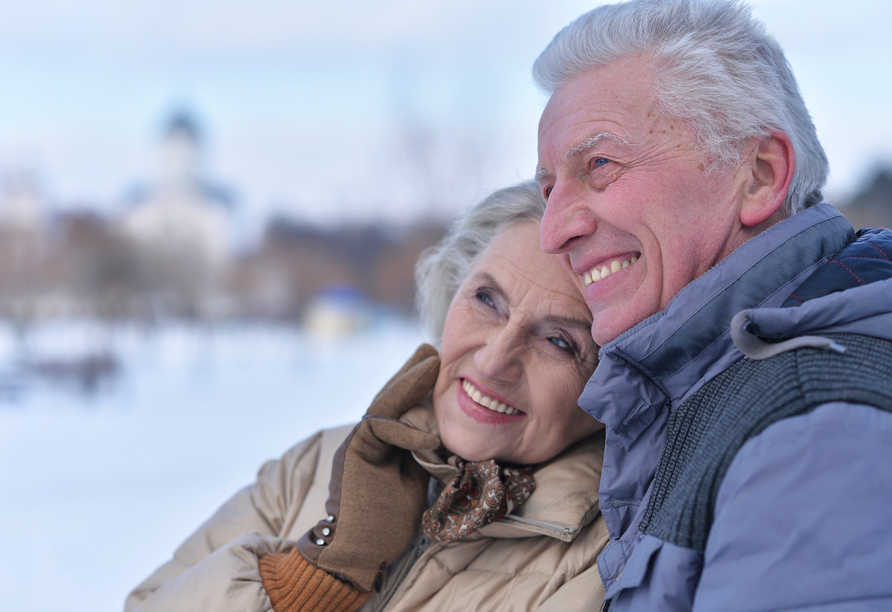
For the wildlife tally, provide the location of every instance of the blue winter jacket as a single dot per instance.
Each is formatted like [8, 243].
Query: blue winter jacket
[803, 518]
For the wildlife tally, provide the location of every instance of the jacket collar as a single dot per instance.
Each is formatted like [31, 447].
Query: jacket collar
[566, 496]
[653, 367]
[565, 499]
[673, 349]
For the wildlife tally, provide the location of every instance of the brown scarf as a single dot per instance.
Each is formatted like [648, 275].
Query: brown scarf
[481, 493]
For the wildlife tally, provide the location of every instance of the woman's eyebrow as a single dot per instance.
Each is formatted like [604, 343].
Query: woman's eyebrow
[492, 283]
[568, 322]
[488, 279]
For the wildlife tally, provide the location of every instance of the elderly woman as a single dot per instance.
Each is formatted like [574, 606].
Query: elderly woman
[470, 484]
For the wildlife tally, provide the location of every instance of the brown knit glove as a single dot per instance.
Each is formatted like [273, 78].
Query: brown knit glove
[377, 491]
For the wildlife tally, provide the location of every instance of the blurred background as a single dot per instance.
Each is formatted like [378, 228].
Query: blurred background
[209, 215]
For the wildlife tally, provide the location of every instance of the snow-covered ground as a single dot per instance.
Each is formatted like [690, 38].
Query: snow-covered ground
[98, 488]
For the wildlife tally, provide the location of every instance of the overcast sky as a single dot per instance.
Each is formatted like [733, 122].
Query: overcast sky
[354, 108]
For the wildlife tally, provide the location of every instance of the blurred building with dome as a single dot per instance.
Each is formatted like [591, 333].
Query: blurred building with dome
[181, 223]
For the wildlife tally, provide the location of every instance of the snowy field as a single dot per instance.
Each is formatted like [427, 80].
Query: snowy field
[100, 486]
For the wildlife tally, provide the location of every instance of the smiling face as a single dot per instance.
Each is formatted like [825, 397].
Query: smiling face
[516, 354]
[629, 199]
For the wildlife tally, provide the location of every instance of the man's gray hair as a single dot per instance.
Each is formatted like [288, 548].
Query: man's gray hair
[442, 268]
[715, 69]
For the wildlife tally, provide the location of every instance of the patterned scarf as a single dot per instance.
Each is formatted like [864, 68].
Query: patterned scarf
[481, 493]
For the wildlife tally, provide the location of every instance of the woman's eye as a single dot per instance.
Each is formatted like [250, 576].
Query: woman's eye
[484, 297]
[563, 344]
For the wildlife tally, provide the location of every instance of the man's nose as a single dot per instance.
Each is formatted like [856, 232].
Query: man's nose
[499, 359]
[567, 219]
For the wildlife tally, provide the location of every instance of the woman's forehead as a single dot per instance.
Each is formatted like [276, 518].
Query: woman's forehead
[515, 262]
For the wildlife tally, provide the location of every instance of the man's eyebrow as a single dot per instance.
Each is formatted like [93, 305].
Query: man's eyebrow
[585, 145]
[592, 141]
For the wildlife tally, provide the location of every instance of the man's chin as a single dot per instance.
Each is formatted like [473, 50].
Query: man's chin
[609, 323]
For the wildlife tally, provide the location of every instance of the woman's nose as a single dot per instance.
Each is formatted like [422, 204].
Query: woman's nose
[499, 359]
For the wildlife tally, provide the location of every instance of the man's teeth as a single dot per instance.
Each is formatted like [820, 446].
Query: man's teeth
[487, 402]
[598, 273]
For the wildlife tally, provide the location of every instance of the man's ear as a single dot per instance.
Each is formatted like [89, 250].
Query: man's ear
[770, 162]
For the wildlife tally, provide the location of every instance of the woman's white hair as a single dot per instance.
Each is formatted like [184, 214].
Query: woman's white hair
[715, 69]
[442, 268]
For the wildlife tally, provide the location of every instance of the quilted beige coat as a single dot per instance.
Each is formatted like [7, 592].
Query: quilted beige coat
[541, 557]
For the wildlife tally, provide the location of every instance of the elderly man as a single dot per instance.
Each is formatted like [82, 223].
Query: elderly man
[746, 369]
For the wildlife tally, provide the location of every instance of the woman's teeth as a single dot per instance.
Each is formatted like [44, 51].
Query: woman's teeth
[487, 402]
[598, 273]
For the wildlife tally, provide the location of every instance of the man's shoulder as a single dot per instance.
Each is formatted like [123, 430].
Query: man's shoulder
[755, 393]
[706, 432]
[866, 260]
[807, 498]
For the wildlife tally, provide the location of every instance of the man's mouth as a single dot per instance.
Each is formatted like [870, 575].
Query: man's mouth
[486, 401]
[598, 273]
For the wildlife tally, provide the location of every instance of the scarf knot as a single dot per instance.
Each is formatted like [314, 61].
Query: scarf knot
[481, 493]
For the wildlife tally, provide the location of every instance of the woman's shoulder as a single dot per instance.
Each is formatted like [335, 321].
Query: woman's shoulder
[567, 486]
[313, 453]
[576, 469]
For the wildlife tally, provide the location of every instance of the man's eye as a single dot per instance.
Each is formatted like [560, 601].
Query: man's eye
[604, 171]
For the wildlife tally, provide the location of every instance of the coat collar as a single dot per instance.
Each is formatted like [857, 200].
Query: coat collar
[566, 496]
[673, 349]
[653, 367]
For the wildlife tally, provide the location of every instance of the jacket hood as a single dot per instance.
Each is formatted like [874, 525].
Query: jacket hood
[848, 294]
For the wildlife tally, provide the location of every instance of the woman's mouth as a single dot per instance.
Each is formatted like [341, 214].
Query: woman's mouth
[487, 402]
